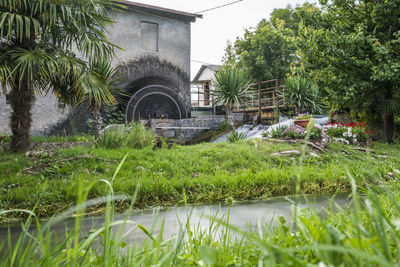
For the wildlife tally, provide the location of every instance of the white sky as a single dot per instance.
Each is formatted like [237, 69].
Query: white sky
[210, 34]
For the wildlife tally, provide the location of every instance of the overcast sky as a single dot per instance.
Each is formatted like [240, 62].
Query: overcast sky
[210, 34]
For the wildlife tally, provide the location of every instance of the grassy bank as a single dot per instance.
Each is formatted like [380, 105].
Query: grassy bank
[208, 173]
[365, 234]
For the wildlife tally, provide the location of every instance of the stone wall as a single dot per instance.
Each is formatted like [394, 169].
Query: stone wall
[45, 113]
[164, 127]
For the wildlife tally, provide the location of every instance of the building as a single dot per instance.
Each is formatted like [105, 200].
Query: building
[202, 101]
[154, 63]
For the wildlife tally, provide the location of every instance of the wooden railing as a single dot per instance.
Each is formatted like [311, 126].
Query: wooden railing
[262, 95]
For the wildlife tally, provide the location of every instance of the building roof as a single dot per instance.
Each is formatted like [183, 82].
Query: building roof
[160, 11]
[214, 68]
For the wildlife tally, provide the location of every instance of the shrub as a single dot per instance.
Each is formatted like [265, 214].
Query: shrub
[134, 135]
[235, 137]
[313, 133]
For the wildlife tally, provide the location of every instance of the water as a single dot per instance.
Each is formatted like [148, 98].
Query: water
[242, 215]
[257, 132]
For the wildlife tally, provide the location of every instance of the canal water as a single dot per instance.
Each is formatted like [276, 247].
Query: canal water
[242, 214]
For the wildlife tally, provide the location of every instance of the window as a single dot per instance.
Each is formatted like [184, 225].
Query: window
[149, 36]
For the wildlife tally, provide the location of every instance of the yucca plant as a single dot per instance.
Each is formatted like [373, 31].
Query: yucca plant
[235, 136]
[39, 40]
[231, 87]
[303, 94]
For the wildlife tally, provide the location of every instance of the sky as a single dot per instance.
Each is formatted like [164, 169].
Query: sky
[210, 34]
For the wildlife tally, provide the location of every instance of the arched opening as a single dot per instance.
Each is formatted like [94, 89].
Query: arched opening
[155, 102]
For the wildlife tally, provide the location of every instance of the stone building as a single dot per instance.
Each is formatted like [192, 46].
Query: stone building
[155, 68]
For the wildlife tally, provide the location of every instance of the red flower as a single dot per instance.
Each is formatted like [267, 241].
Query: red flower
[334, 113]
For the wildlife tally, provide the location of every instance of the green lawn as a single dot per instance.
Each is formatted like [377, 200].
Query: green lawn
[208, 173]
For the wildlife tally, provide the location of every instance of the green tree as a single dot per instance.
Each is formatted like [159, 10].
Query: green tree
[288, 15]
[352, 49]
[38, 41]
[231, 87]
[264, 53]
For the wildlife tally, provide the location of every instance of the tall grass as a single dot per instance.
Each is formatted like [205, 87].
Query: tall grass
[365, 234]
[134, 136]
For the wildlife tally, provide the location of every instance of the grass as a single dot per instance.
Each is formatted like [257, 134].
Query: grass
[365, 234]
[208, 173]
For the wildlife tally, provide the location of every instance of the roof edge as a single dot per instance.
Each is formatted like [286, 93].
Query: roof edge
[160, 10]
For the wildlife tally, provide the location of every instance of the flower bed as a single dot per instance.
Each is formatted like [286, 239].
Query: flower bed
[349, 133]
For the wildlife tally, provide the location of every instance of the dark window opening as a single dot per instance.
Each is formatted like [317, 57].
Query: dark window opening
[206, 94]
[61, 104]
[149, 36]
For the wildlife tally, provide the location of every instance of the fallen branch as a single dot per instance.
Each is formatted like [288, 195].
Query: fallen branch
[63, 161]
[314, 146]
[362, 149]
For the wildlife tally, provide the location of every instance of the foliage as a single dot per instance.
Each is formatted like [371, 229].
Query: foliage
[112, 114]
[351, 48]
[230, 87]
[303, 94]
[351, 133]
[276, 132]
[139, 136]
[264, 53]
[295, 132]
[235, 136]
[134, 136]
[39, 42]
[303, 117]
[313, 133]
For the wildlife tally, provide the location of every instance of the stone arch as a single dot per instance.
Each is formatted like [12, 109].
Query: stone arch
[155, 101]
[155, 89]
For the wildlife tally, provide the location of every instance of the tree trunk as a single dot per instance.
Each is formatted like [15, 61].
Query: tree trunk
[229, 117]
[97, 121]
[388, 118]
[21, 117]
[388, 126]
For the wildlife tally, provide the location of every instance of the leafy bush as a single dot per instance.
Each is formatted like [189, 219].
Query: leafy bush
[313, 133]
[235, 137]
[135, 136]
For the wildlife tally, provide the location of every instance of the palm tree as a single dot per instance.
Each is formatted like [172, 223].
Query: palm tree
[100, 81]
[230, 88]
[39, 39]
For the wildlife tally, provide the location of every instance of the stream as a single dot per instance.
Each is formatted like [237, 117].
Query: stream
[242, 214]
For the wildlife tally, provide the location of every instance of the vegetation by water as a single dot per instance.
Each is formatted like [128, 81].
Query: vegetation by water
[365, 234]
[47, 182]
